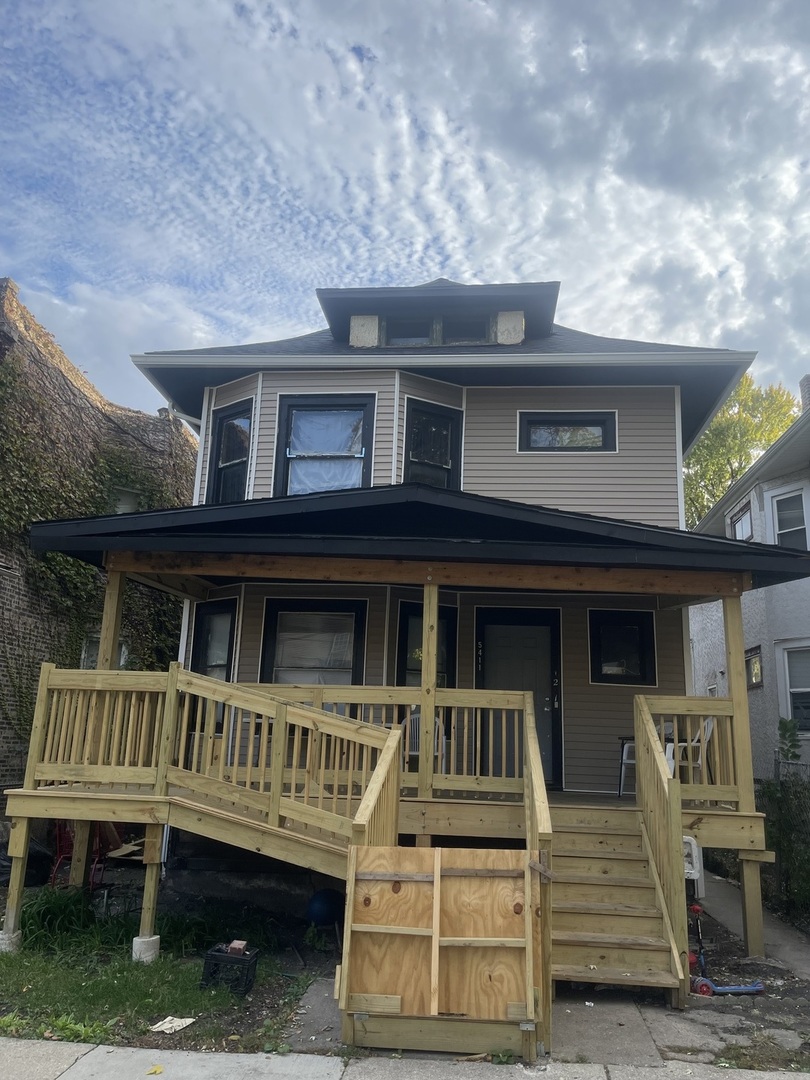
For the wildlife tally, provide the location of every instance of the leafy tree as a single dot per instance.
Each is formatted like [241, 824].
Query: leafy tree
[751, 419]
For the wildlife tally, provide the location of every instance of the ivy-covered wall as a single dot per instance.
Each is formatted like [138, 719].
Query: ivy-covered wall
[65, 451]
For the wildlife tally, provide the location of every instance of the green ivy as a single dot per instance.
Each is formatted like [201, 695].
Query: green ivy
[48, 473]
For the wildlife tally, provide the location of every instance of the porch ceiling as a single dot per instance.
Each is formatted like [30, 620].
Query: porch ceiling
[409, 524]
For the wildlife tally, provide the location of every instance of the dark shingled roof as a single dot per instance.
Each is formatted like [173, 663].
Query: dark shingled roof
[562, 341]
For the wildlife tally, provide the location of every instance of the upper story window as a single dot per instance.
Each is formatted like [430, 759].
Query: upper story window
[230, 453]
[432, 446]
[324, 443]
[789, 521]
[742, 524]
[438, 330]
[566, 432]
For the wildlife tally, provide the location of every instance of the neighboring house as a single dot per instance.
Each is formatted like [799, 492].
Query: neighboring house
[64, 450]
[769, 504]
[437, 582]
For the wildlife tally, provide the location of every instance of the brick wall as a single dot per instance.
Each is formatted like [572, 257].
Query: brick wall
[73, 422]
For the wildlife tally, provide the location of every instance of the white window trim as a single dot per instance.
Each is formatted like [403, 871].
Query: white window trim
[565, 453]
[781, 649]
[800, 487]
[737, 514]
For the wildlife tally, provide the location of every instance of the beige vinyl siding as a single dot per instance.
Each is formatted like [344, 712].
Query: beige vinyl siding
[253, 623]
[241, 390]
[594, 716]
[274, 384]
[414, 386]
[639, 482]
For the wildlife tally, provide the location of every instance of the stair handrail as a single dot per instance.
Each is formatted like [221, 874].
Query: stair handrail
[377, 819]
[658, 798]
[538, 814]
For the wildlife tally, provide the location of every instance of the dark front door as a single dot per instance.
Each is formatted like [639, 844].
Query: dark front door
[519, 649]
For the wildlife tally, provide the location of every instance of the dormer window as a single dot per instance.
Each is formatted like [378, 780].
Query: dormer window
[461, 331]
[414, 331]
[405, 332]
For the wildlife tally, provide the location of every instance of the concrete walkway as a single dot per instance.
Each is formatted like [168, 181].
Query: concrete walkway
[31, 1060]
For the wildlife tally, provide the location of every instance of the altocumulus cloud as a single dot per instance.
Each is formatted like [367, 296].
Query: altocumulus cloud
[179, 174]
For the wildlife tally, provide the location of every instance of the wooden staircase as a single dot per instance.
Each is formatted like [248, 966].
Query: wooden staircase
[608, 923]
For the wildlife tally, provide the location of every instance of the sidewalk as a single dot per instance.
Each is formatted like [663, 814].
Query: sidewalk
[29, 1060]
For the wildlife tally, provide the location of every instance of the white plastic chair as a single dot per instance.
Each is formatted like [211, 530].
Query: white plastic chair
[690, 753]
[411, 739]
[628, 756]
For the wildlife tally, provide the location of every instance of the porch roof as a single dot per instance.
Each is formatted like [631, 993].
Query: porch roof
[419, 523]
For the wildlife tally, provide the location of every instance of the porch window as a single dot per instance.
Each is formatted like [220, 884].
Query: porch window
[313, 643]
[409, 646]
[622, 645]
[789, 522]
[566, 432]
[433, 446]
[324, 444]
[798, 666]
[230, 453]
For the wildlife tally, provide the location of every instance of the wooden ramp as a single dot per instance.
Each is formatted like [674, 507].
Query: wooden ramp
[442, 951]
[609, 920]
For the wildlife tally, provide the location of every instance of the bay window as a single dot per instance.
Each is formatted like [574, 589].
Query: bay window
[324, 443]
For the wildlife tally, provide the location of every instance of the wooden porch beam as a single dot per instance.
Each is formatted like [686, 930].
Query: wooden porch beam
[706, 583]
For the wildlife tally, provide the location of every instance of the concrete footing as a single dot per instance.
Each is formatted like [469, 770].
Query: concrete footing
[10, 941]
[146, 949]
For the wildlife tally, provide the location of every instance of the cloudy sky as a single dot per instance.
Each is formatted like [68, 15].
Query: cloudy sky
[180, 173]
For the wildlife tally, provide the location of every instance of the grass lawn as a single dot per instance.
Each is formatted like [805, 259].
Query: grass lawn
[75, 980]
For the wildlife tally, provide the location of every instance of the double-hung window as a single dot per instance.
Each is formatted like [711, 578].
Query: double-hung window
[742, 525]
[324, 443]
[798, 673]
[433, 446]
[230, 453]
[789, 526]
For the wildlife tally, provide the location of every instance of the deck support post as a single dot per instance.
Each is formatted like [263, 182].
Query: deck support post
[146, 946]
[743, 768]
[20, 834]
[427, 727]
[753, 928]
[81, 859]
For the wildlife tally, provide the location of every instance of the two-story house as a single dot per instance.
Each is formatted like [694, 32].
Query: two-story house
[770, 504]
[437, 584]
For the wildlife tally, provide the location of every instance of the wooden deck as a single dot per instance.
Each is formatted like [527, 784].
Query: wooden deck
[320, 774]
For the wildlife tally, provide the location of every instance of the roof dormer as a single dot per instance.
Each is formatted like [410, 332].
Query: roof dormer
[440, 314]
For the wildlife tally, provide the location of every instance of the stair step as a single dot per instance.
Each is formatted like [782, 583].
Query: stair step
[607, 909]
[613, 976]
[575, 937]
[565, 877]
[600, 828]
[595, 853]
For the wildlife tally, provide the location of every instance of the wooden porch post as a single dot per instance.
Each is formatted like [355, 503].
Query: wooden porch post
[744, 768]
[111, 621]
[430, 644]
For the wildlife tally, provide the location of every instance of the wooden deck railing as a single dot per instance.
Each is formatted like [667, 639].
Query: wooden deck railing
[699, 734]
[658, 797]
[479, 746]
[162, 734]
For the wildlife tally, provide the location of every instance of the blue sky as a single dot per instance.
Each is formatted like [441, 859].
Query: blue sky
[182, 173]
